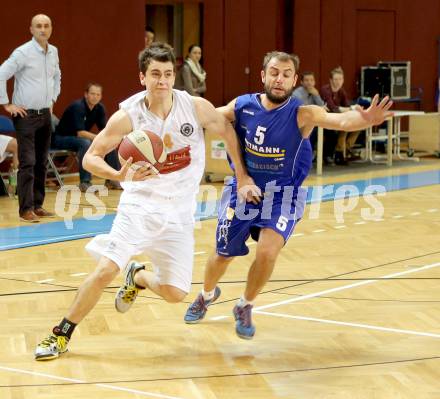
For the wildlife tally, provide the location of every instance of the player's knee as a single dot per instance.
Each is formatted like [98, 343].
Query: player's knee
[267, 254]
[172, 294]
[221, 260]
[104, 275]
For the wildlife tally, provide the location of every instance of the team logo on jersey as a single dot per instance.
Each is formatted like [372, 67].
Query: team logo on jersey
[187, 129]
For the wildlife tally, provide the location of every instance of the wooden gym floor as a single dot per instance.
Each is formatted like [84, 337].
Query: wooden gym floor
[351, 311]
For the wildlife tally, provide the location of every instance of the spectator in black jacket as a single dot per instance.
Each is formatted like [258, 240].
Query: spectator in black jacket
[74, 131]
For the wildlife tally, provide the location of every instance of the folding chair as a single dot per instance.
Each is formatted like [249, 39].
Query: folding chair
[6, 127]
[4, 178]
[59, 170]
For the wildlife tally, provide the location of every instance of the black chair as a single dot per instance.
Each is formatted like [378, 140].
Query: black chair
[7, 128]
[62, 169]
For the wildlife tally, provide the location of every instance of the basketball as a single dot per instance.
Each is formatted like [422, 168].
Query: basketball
[143, 146]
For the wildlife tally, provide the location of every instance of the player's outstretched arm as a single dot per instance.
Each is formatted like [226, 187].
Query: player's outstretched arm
[375, 114]
[107, 140]
[228, 111]
[218, 122]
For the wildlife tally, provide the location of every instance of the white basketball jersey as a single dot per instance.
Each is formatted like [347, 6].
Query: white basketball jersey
[180, 129]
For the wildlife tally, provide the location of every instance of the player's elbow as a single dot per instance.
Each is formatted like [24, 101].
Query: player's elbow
[345, 124]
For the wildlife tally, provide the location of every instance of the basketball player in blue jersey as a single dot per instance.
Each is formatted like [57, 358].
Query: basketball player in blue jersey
[273, 129]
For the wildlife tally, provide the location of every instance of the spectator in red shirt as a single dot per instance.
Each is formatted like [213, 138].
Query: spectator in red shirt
[337, 101]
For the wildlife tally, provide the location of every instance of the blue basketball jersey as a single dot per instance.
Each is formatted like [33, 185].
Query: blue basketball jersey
[278, 159]
[273, 148]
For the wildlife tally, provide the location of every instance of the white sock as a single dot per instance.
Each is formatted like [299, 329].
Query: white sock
[242, 302]
[207, 296]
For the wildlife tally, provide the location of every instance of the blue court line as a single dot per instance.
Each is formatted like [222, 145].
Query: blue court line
[47, 233]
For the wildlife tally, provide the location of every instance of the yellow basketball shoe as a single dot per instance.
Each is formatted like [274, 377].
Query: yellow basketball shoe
[51, 347]
[128, 292]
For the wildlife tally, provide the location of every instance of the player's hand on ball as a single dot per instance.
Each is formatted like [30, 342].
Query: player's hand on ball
[143, 171]
[137, 172]
[247, 190]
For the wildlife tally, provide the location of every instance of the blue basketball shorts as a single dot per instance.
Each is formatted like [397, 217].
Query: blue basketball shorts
[279, 211]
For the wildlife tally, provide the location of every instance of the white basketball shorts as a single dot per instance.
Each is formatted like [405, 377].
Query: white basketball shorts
[169, 245]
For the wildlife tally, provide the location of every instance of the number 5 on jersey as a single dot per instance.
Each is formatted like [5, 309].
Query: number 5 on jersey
[259, 135]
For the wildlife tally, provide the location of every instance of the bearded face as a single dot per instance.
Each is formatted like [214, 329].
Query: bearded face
[277, 94]
[279, 80]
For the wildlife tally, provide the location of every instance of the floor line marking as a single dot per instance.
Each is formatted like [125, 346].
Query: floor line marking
[78, 274]
[53, 240]
[45, 281]
[336, 289]
[343, 323]
[14, 273]
[108, 386]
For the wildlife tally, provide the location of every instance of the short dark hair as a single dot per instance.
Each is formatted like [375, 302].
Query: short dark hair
[281, 56]
[161, 52]
[150, 29]
[337, 70]
[307, 73]
[90, 84]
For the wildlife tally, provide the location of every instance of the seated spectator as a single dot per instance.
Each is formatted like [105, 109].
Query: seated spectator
[309, 95]
[149, 36]
[337, 101]
[8, 144]
[74, 132]
[191, 76]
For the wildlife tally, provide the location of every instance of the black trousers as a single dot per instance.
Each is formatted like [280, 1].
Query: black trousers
[330, 140]
[33, 139]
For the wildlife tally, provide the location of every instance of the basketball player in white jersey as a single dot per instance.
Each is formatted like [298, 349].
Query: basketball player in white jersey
[156, 212]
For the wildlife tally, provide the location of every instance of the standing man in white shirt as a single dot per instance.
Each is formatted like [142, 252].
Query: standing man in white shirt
[35, 67]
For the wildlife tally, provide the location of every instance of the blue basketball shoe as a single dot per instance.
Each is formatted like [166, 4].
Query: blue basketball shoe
[243, 321]
[199, 307]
